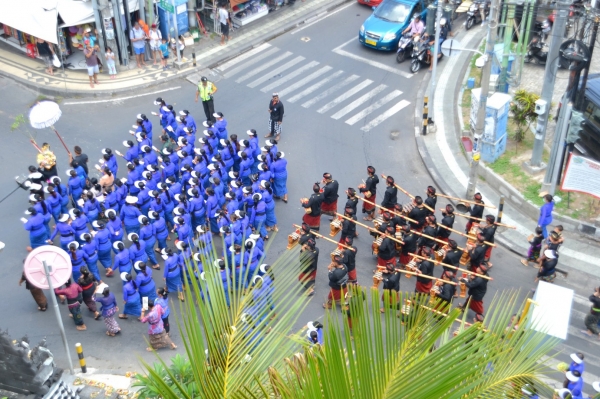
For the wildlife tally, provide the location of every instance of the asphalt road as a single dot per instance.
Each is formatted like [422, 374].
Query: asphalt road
[340, 131]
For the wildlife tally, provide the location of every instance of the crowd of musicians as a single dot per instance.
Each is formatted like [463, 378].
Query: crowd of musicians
[409, 239]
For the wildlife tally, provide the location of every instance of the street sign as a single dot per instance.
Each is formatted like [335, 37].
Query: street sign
[451, 47]
[168, 7]
[59, 265]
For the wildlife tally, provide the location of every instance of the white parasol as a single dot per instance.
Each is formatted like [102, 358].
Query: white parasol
[45, 114]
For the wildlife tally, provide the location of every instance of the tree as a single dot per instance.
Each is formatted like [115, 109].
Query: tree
[523, 113]
[246, 350]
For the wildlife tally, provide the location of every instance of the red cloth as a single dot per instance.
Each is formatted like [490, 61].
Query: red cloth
[312, 221]
[368, 207]
[469, 224]
[312, 276]
[384, 262]
[335, 295]
[352, 275]
[423, 287]
[404, 259]
[488, 253]
[445, 239]
[325, 207]
[476, 306]
[394, 297]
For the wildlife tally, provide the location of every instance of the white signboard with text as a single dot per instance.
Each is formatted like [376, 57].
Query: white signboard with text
[582, 175]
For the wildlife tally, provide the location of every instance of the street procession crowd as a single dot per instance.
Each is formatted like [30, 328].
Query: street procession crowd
[169, 202]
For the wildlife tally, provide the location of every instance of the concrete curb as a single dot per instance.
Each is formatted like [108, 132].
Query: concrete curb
[219, 59]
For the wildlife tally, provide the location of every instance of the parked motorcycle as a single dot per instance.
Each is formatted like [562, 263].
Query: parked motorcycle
[474, 13]
[419, 54]
[535, 53]
[405, 48]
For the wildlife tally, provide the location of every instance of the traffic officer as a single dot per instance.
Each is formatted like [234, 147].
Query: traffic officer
[206, 91]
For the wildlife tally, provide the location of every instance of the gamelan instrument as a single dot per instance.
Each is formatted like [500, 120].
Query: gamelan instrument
[483, 220]
[369, 228]
[392, 212]
[426, 276]
[340, 245]
[335, 226]
[293, 239]
[376, 244]
[367, 194]
[465, 259]
[441, 253]
[406, 208]
[451, 267]
[336, 252]
[435, 290]
[409, 194]
[377, 222]
[412, 265]
[463, 288]
[464, 200]
[305, 201]
[465, 235]
[377, 278]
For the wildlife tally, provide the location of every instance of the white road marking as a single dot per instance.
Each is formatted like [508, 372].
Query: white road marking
[112, 100]
[261, 68]
[242, 57]
[338, 50]
[395, 109]
[320, 19]
[250, 62]
[379, 103]
[303, 82]
[359, 101]
[580, 299]
[329, 91]
[345, 96]
[314, 87]
[290, 76]
[269, 75]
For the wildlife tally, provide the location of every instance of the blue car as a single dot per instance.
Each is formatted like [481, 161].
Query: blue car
[383, 29]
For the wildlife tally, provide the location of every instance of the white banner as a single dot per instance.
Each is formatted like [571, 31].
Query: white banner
[582, 175]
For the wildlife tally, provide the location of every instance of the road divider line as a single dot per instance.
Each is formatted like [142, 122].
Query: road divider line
[330, 91]
[345, 96]
[242, 57]
[269, 75]
[290, 76]
[320, 19]
[395, 109]
[359, 101]
[261, 68]
[379, 103]
[112, 100]
[251, 62]
[373, 63]
[304, 81]
[314, 87]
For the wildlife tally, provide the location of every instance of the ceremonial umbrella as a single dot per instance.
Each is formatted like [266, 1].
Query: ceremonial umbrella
[45, 114]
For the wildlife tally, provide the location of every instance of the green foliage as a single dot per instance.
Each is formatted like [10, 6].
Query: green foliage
[523, 113]
[19, 121]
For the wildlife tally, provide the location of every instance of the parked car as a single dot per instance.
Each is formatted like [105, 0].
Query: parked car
[383, 29]
[370, 2]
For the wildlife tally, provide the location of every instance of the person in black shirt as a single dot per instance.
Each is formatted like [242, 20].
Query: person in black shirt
[429, 230]
[475, 210]
[418, 214]
[397, 221]
[446, 291]
[312, 209]
[352, 201]
[425, 267]
[309, 257]
[387, 249]
[477, 254]
[535, 246]
[390, 197]
[448, 221]
[453, 256]
[330, 195]
[80, 158]
[488, 231]
[275, 117]
[369, 190]
[391, 284]
[477, 288]
[548, 266]
[591, 320]
[386, 219]
[410, 244]
[431, 199]
[306, 234]
[349, 259]
[338, 280]
[348, 227]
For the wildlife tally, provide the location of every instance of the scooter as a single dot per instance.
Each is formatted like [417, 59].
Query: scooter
[535, 48]
[474, 13]
[405, 48]
[420, 54]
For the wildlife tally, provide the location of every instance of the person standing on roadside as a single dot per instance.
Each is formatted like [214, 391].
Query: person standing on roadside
[276, 117]
[206, 90]
[138, 41]
[46, 52]
[80, 158]
[155, 42]
[91, 60]
[225, 22]
[591, 320]
[546, 214]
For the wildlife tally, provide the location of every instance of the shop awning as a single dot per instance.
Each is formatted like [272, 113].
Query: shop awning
[75, 12]
[34, 17]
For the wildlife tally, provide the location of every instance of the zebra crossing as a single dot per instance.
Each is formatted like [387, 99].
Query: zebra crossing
[337, 93]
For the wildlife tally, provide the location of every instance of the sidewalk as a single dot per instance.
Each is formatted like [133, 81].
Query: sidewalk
[448, 165]
[15, 65]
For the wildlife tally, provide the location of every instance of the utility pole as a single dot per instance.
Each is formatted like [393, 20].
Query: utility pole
[587, 68]
[436, 51]
[562, 126]
[485, 89]
[109, 29]
[508, 35]
[99, 34]
[120, 31]
[176, 31]
[548, 87]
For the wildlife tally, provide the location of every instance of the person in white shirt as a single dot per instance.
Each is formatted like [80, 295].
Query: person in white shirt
[155, 41]
[225, 22]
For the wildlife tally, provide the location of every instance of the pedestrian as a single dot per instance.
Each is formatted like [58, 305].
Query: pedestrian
[330, 195]
[164, 51]
[67, 233]
[349, 259]
[110, 62]
[131, 297]
[73, 293]
[546, 214]
[391, 284]
[477, 289]
[109, 309]
[156, 331]
[312, 208]
[38, 235]
[88, 283]
[225, 21]
[279, 170]
[90, 247]
[61, 189]
[206, 91]
[535, 246]
[369, 191]
[338, 280]
[574, 383]
[275, 117]
[143, 280]
[577, 362]
[547, 269]
[36, 293]
[78, 259]
[91, 60]
[591, 320]
[155, 40]
[163, 301]
[138, 39]
[46, 52]
[172, 274]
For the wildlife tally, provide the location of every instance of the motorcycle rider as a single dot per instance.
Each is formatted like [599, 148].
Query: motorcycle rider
[416, 26]
[482, 9]
[444, 31]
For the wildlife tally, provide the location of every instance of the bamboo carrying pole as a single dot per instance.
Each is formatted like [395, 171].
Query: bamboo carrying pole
[370, 228]
[451, 267]
[426, 276]
[483, 220]
[464, 200]
[409, 194]
[327, 238]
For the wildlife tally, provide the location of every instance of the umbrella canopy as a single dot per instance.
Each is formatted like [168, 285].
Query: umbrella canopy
[44, 114]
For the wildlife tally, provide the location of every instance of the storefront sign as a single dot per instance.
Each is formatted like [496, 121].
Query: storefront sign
[109, 29]
[582, 175]
[165, 5]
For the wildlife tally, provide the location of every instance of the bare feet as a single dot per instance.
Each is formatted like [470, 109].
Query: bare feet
[81, 327]
[122, 316]
[149, 349]
[173, 346]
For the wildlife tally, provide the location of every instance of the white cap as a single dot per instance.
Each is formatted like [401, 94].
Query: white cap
[130, 236]
[136, 265]
[124, 275]
[263, 268]
[63, 218]
[256, 279]
[130, 199]
[179, 245]
[572, 377]
[126, 144]
[73, 242]
[200, 230]
[549, 254]
[576, 358]
[109, 212]
[141, 218]
[596, 386]
[165, 108]
[116, 244]
[563, 393]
